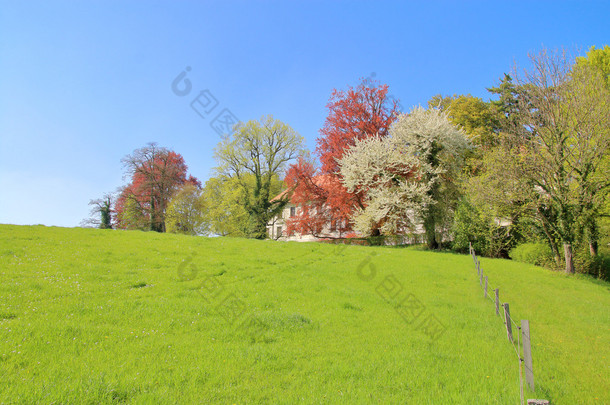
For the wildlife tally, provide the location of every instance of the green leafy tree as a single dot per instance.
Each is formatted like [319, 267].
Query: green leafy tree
[487, 233]
[598, 59]
[471, 114]
[225, 213]
[497, 196]
[507, 106]
[477, 119]
[556, 150]
[589, 102]
[492, 211]
[440, 102]
[259, 149]
[131, 216]
[223, 198]
[185, 212]
[597, 222]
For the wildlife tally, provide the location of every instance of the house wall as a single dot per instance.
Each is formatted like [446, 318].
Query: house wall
[274, 225]
[276, 229]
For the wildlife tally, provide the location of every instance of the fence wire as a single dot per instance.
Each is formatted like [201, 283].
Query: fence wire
[507, 318]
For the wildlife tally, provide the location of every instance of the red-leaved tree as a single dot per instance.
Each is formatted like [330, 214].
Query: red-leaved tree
[354, 114]
[156, 173]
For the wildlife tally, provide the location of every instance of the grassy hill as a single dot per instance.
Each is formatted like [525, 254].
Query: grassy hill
[91, 316]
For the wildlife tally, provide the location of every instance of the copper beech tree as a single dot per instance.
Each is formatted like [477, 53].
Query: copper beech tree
[156, 173]
[354, 114]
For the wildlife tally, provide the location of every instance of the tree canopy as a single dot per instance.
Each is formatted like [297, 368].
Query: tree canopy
[155, 173]
[259, 149]
[530, 164]
[354, 114]
[402, 175]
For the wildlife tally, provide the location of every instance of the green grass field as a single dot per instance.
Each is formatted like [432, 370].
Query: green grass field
[91, 316]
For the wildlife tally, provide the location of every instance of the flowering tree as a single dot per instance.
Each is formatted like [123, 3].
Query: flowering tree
[388, 176]
[402, 176]
[440, 147]
[355, 114]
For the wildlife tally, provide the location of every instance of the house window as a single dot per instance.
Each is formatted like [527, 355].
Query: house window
[293, 211]
[278, 232]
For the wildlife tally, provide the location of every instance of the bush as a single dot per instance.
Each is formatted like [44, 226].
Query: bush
[476, 226]
[601, 267]
[470, 227]
[598, 266]
[538, 254]
[382, 240]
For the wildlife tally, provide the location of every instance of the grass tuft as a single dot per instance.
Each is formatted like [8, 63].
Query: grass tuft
[140, 284]
[347, 305]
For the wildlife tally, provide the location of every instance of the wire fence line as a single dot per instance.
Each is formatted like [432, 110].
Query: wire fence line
[522, 343]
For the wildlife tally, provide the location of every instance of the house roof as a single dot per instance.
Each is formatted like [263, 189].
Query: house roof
[281, 195]
[321, 180]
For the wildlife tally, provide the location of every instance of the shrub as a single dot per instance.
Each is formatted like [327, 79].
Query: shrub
[474, 225]
[538, 254]
[598, 266]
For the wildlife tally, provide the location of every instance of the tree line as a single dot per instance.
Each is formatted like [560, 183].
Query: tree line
[530, 165]
[236, 201]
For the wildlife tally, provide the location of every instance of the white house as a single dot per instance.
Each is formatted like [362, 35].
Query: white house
[276, 228]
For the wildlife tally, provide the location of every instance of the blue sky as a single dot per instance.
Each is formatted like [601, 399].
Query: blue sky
[84, 83]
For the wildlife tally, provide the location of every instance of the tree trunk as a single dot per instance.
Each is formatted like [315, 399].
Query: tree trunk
[593, 248]
[430, 228]
[259, 226]
[549, 237]
[593, 233]
[567, 252]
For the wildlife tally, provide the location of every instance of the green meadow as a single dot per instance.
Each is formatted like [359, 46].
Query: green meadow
[103, 316]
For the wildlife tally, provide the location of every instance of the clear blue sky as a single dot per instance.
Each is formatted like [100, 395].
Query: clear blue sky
[84, 83]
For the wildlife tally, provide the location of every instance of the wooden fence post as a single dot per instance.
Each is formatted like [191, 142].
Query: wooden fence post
[485, 286]
[527, 353]
[509, 328]
[497, 301]
[481, 277]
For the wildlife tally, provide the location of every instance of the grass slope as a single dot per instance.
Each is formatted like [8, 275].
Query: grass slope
[91, 316]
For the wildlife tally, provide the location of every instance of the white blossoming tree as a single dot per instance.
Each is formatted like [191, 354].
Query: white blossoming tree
[405, 175]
